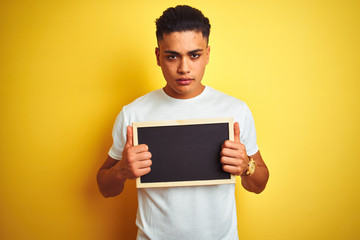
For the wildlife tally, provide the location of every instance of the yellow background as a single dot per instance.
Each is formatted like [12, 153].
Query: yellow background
[68, 67]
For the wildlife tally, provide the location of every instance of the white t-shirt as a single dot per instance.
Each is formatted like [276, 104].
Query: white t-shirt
[186, 213]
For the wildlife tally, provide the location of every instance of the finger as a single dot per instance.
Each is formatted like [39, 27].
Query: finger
[236, 132]
[233, 145]
[143, 156]
[227, 152]
[140, 148]
[144, 164]
[233, 170]
[129, 136]
[144, 171]
[140, 172]
[229, 161]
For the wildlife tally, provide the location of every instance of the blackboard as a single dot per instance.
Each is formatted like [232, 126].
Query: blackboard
[184, 152]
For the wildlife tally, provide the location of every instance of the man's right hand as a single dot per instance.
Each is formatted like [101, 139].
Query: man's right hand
[136, 160]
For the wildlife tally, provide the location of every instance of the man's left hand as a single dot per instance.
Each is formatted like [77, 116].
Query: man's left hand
[233, 154]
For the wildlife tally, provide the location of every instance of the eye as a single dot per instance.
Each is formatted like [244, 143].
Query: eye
[195, 55]
[171, 57]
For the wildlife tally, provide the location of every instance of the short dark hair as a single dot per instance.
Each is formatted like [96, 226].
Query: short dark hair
[182, 18]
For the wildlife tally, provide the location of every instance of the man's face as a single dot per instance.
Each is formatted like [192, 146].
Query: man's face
[182, 57]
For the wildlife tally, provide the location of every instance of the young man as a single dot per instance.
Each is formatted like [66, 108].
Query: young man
[201, 212]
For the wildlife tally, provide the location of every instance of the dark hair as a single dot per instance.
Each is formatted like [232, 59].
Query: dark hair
[182, 18]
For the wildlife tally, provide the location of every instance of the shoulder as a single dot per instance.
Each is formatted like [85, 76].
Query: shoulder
[149, 98]
[214, 92]
[222, 97]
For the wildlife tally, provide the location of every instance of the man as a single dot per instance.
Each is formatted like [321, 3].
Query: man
[201, 212]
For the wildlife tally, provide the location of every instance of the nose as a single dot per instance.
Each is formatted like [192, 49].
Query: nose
[183, 66]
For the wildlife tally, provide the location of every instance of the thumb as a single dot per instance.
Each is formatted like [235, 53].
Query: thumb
[236, 132]
[129, 136]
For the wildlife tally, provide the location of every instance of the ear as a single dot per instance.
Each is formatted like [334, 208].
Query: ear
[157, 53]
[207, 54]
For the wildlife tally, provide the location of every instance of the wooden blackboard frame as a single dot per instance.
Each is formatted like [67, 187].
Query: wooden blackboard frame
[137, 125]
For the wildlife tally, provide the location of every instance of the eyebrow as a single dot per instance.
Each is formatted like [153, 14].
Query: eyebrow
[190, 52]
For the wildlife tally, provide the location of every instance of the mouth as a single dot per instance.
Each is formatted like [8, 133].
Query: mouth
[184, 80]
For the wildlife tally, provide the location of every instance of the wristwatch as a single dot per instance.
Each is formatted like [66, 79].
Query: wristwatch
[251, 167]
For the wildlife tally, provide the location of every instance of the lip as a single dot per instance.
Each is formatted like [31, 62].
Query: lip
[184, 80]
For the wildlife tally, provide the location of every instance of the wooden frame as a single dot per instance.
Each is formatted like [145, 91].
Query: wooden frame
[140, 127]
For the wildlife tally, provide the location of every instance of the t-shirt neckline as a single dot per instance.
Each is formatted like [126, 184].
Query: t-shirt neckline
[187, 99]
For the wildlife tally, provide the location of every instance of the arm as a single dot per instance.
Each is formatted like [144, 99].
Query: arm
[135, 162]
[235, 159]
[257, 182]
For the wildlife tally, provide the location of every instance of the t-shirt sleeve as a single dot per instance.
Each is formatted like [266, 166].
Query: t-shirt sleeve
[248, 132]
[119, 135]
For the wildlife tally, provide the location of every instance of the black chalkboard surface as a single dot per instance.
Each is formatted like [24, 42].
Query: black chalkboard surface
[184, 152]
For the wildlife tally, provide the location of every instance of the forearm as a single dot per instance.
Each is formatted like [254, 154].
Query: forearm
[110, 182]
[257, 182]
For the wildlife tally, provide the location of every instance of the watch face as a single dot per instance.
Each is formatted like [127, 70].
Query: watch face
[251, 166]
